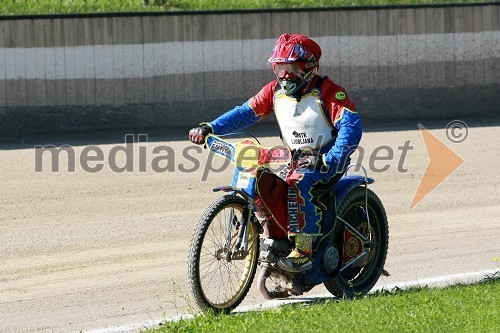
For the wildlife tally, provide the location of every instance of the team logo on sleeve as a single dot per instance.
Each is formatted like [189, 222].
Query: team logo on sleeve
[340, 95]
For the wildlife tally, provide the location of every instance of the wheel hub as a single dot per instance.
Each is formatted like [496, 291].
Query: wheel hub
[221, 254]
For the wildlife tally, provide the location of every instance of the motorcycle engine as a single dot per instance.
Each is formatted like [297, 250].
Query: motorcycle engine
[273, 249]
[281, 283]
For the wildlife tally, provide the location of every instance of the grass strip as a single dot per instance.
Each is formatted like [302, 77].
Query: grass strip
[37, 7]
[458, 308]
[272, 4]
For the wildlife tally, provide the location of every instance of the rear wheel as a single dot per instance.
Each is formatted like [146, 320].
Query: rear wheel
[219, 280]
[360, 278]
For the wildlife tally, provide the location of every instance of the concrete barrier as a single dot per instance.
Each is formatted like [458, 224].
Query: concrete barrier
[88, 72]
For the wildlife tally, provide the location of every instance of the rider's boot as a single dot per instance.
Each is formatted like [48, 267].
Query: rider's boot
[299, 260]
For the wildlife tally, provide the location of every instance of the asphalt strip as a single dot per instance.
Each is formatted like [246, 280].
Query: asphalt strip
[436, 282]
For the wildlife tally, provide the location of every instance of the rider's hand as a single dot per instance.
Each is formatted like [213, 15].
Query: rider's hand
[311, 161]
[197, 135]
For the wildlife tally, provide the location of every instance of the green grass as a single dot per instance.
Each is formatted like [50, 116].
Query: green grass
[34, 7]
[252, 4]
[460, 308]
[30, 7]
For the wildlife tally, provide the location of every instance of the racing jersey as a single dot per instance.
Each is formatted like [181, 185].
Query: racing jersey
[323, 119]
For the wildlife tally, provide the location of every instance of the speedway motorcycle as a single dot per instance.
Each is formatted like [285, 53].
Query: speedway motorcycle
[230, 243]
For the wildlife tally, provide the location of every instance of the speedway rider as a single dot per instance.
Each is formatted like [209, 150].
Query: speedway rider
[315, 115]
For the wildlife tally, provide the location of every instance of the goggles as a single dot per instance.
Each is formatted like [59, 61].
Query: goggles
[292, 70]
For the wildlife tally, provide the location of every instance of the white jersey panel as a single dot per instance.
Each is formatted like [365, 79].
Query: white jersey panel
[303, 124]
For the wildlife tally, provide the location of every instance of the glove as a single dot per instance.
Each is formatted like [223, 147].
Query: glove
[310, 160]
[197, 135]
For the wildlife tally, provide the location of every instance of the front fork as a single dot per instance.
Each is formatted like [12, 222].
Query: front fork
[239, 250]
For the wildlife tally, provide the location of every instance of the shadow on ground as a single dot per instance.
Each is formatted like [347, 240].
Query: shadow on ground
[181, 134]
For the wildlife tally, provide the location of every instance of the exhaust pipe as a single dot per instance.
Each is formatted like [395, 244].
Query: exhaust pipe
[264, 273]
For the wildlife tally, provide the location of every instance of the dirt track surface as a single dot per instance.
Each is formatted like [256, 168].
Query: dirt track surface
[82, 251]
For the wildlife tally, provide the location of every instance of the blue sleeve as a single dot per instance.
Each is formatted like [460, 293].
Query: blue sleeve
[234, 120]
[348, 137]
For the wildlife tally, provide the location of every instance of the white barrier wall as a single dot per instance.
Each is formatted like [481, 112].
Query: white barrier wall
[65, 73]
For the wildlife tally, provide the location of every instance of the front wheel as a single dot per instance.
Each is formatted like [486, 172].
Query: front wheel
[359, 278]
[219, 280]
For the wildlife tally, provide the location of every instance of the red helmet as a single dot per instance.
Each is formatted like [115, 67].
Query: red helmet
[295, 60]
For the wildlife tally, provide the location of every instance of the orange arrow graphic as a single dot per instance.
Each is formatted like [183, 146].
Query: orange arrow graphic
[442, 162]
